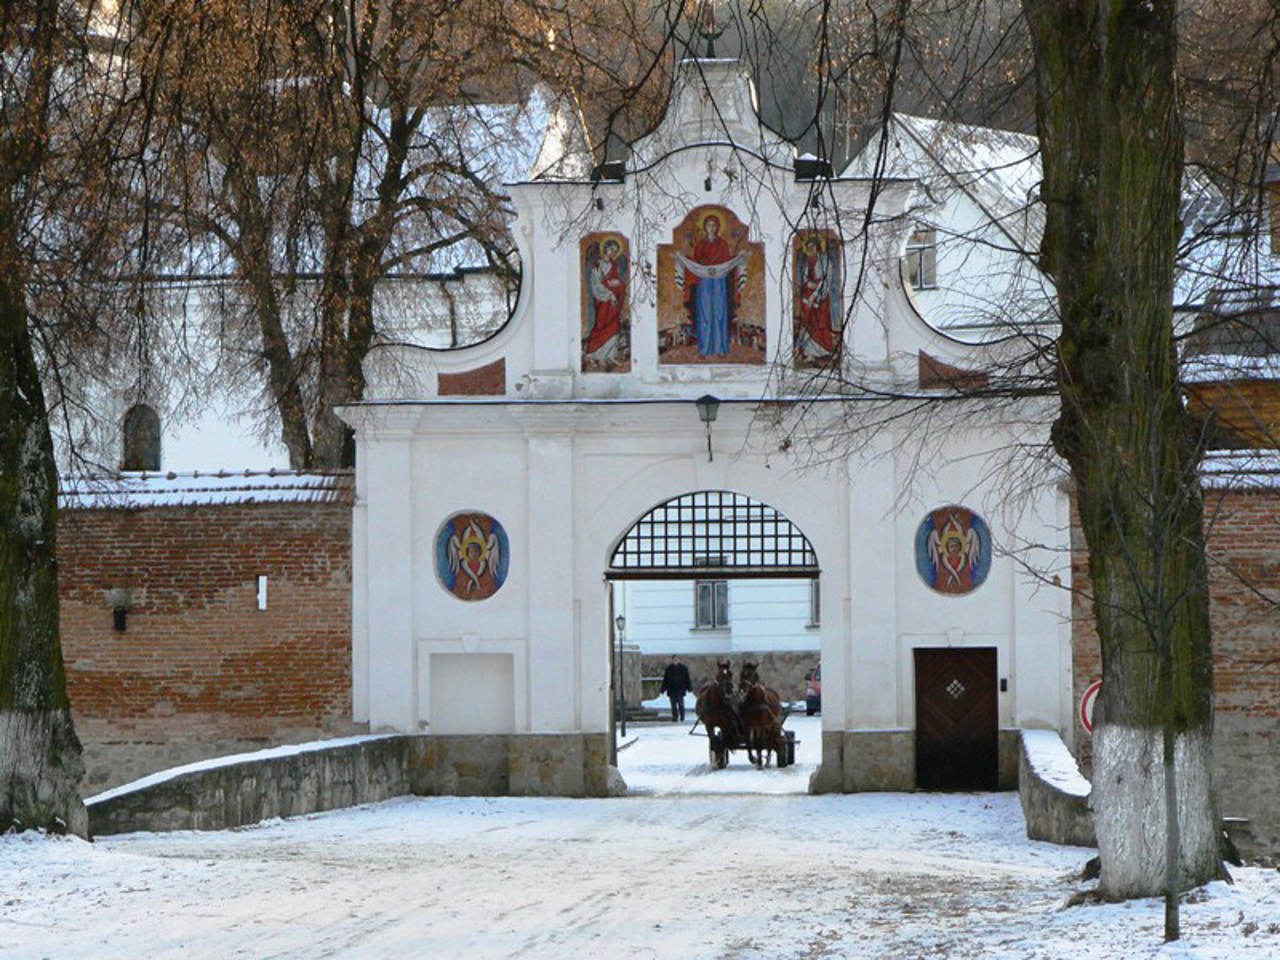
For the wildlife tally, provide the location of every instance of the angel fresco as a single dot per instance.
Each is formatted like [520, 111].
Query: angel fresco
[953, 550]
[606, 265]
[711, 291]
[472, 555]
[817, 310]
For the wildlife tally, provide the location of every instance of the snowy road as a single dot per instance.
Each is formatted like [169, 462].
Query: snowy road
[669, 873]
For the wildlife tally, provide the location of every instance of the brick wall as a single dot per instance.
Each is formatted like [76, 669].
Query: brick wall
[1244, 554]
[199, 670]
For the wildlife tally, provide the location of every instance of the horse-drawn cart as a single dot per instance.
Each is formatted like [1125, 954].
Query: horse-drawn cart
[784, 752]
[749, 717]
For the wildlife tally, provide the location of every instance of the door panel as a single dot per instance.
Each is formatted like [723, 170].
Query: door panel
[957, 719]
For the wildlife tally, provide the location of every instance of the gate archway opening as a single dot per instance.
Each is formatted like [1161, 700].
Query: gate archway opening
[686, 579]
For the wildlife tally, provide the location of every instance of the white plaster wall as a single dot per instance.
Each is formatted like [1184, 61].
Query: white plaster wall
[1018, 610]
[985, 287]
[988, 285]
[542, 346]
[763, 615]
[568, 462]
[568, 480]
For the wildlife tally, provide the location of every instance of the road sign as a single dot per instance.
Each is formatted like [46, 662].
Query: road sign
[1086, 705]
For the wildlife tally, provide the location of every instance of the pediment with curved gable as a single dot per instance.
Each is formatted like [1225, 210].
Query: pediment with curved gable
[807, 296]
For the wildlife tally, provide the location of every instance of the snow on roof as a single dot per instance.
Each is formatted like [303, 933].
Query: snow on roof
[998, 169]
[1230, 367]
[1241, 469]
[147, 490]
[1224, 260]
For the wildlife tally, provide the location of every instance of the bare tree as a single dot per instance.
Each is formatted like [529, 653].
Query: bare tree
[59, 227]
[326, 152]
[1113, 144]
[317, 149]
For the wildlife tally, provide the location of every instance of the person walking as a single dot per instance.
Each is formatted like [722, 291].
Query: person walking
[675, 684]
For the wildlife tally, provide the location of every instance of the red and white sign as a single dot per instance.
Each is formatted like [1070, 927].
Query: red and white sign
[1086, 705]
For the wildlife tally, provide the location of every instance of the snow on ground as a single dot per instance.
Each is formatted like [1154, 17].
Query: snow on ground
[695, 864]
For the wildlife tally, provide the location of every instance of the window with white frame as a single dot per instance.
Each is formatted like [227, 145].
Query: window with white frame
[711, 604]
[922, 260]
[815, 603]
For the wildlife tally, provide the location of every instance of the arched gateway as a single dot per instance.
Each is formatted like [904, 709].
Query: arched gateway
[713, 533]
[500, 484]
[686, 579]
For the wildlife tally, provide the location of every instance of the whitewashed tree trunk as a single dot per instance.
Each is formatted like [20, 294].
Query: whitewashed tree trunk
[1111, 138]
[40, 758]
[1129, 808]
[40, 772]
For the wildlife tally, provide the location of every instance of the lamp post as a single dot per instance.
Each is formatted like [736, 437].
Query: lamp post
[708, 407]
[620, 626]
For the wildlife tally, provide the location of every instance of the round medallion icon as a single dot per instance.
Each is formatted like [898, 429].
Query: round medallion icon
[472, 555]
[953, 550]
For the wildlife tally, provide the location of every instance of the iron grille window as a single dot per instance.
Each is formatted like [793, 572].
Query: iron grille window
[716, 531]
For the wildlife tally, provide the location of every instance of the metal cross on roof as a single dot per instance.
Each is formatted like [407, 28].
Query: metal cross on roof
[707, 27]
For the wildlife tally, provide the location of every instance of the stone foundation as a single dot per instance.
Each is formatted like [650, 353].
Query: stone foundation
[859, 761]
[254, 787]
[545, 765]
[1010, 748]
[119, 754]
[862, 761]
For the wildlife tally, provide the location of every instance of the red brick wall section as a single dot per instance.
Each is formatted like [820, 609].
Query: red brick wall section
[1244, 555]
[489, 380]
[199, 660]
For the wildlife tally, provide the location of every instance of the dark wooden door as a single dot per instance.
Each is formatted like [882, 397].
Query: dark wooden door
[957, 719]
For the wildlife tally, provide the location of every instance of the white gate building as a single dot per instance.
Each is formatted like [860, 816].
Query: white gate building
[496, 484]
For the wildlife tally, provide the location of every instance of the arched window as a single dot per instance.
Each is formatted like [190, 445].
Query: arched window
[141, 431]
[711, 536]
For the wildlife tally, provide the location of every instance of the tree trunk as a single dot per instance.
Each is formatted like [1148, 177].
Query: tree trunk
[253, 255]
[329, 433]
[1112, 144]
[40, 758]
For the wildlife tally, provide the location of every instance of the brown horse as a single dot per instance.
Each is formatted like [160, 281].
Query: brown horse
[718, 715]
[761, 710]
